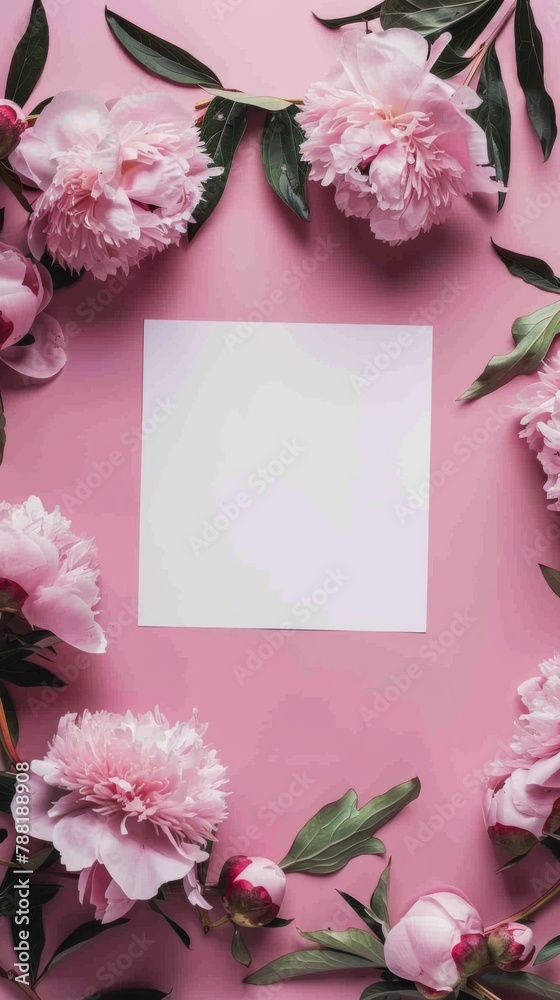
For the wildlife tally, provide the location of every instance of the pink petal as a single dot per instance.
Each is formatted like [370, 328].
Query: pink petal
[65, 613]
[43, 358]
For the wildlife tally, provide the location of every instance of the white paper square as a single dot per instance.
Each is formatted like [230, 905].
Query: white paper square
[281, 470]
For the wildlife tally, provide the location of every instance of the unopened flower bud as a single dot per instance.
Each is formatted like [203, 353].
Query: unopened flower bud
[511, 946]
[12, 123]
[252, 890]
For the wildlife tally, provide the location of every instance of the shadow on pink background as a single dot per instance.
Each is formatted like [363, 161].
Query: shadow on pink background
[316, 716]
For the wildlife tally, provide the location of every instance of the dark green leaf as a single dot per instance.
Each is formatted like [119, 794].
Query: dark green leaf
[533, 336]
[363, 912]
[221, 131]
[390, 991]
[550, 950]
[284, 168]
[530, 72]
[493, 115]
[3, 836]
[340, 831]
[379, 904]
[251, 100]
[160, 57]
[338, 22]
[525, 981]
[2, 430]
[29, 58]
[533, 270]
[239, 949]
[278, 922]
[181, 934]
[132, 993]
[13, 183]
[27, 674]
[430, 16]
[305, 963]
[7, 786]
[552, 577]
[2, 214]
[468, 29]
[449, 63]
[79, 937]
[39, 107]
[61, 276]
[352, 942]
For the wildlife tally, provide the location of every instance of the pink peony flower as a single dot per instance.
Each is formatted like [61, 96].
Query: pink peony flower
[524, 806]
[50, 573]
[119, 182]
[437, 944]
[252, 890]
[129, 801]
[12, 124]
[396, 141]
[511, 946]
[25, 291]
[538, 730]
[540, 403]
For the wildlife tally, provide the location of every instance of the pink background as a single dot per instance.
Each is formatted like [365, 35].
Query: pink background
[307, 712]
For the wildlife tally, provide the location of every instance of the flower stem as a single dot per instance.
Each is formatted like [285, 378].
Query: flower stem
[6, 737]
[480, 54]
[532, 908]
[482, 989]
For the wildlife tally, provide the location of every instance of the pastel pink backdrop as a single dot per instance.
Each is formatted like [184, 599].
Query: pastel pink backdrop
[307, 712]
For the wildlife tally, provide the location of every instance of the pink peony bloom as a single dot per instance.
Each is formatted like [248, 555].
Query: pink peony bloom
[540, 403]
[12, 124]
[396, 141]
[538, 730]
[119, 182]
[511, 946]
[25, 291]
[50, 572]
[437, 944]
[252, 890]
[524, 806]
[129, 801]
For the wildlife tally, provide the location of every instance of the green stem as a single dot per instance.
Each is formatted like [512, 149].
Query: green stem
[482, 989]
[527, 911]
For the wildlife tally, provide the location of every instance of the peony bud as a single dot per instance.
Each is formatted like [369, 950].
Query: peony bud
[252, 890]
[523, 806]
[12, 123]
[437, 944]
[511, 946]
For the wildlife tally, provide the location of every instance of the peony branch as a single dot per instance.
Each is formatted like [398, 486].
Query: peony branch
[527, 911]
[481, 52]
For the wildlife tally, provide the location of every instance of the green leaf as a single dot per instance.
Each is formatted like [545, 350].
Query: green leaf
[27, 674]
[352, 942]
[2, 214]
[552, 577]
[550, 950]
[251, 100]
[430, 16]
[284, 168]
[222, 130]
[533, 336]
[524, 981]
[239, 949]
[530, 72]
[30, 56]
[363, 912]
[181, 934]
[10, 711]
[338, 22]
[13, 183]
[305, 963]
[39, 107]
[390, 991]
[533, 270]
[450, 63]
[61, 276]
[2, 430]
[160, 57]
[133, 993]
[340, 831]
[493, 115]
[277, 922]
[379, 904]
[76, 940]
[7, 787]
[467, 30]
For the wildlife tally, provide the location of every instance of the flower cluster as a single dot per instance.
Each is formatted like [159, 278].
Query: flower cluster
[130, 802]
[522, 801]
[30, 341]
[540, 403]
[441, 941]
[118, 182]
[395, 140]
